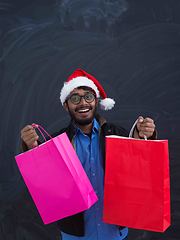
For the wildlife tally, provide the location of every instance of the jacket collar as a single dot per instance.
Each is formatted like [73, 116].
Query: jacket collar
[71, 129]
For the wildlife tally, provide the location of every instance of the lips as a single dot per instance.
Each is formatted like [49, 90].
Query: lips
[83, 110]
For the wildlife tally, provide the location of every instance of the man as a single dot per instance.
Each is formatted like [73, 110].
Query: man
[80, 96]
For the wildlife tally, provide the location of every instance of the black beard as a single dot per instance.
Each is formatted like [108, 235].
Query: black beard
[82, 122]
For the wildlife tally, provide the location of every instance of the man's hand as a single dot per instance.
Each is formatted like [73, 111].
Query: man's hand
[29, 136]
[145, 127]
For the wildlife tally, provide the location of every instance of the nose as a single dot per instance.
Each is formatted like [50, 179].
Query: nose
[82, 101]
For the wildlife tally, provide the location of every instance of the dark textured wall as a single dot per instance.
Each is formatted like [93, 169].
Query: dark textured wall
[132, 47]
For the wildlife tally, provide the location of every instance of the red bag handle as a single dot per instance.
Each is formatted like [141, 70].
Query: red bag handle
[41, 130]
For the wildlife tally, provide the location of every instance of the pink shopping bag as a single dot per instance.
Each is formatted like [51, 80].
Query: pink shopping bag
[56, 179]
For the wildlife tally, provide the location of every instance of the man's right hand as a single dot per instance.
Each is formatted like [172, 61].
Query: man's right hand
[29, 136]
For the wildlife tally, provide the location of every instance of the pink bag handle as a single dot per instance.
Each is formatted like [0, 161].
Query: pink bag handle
[41, 130]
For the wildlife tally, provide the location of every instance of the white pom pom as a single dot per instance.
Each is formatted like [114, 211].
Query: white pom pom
[107, 104]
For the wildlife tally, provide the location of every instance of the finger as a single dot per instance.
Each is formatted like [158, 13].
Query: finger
[27, 128]
[145, 134]
[31, 143]
[30, 138]
[139, 122]
[140, 119]
[28, 133]
[148, 124]
[141, 134]
[148, 120]
[34, 144]
[146, 128]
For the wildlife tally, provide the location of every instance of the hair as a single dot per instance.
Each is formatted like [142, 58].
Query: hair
[86, 88]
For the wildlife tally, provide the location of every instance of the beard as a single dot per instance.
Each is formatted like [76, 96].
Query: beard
[83, 121]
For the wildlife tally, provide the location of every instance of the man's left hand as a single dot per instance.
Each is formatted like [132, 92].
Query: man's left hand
[145, 127]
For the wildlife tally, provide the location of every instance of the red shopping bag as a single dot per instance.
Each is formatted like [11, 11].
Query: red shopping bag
[56, 179]
[137, 186]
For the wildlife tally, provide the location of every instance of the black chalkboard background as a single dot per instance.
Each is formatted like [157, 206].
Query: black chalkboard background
[131, 46]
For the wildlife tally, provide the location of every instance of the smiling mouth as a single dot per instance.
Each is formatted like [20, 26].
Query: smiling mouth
[85, 110]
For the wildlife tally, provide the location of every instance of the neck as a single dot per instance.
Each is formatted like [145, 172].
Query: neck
[86, 128]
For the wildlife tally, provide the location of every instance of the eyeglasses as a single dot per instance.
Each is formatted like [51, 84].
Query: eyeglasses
[76, 98]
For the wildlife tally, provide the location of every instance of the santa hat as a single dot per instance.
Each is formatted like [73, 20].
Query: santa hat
[80, 78]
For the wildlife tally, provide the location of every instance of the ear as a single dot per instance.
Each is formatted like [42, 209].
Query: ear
[65, 105]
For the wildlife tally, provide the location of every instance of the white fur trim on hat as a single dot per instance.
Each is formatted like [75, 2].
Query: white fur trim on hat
[75, 83]
[107, 103]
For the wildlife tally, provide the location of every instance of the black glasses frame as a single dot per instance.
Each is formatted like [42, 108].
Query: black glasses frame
[85, 96]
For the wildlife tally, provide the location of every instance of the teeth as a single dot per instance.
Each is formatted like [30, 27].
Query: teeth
[83, 110]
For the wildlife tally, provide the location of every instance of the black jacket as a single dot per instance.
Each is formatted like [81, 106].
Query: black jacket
[74, 225]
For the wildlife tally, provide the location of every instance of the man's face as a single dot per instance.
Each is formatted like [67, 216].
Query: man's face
[82, 113]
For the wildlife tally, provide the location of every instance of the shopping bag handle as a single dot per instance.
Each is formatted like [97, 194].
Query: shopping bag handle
[41, 130]
[132, 130]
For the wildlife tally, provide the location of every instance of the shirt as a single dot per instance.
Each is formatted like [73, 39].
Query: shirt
[90, 155]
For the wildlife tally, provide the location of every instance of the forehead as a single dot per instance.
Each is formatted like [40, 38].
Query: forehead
[81, 90]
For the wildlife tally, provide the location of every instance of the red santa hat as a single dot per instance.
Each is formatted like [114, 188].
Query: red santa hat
[80, 78]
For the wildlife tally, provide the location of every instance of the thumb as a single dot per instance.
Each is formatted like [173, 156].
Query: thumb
[140, 119]
[35, 144]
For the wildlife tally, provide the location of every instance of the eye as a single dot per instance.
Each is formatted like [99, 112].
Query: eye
[75, 98]
[89, 96]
